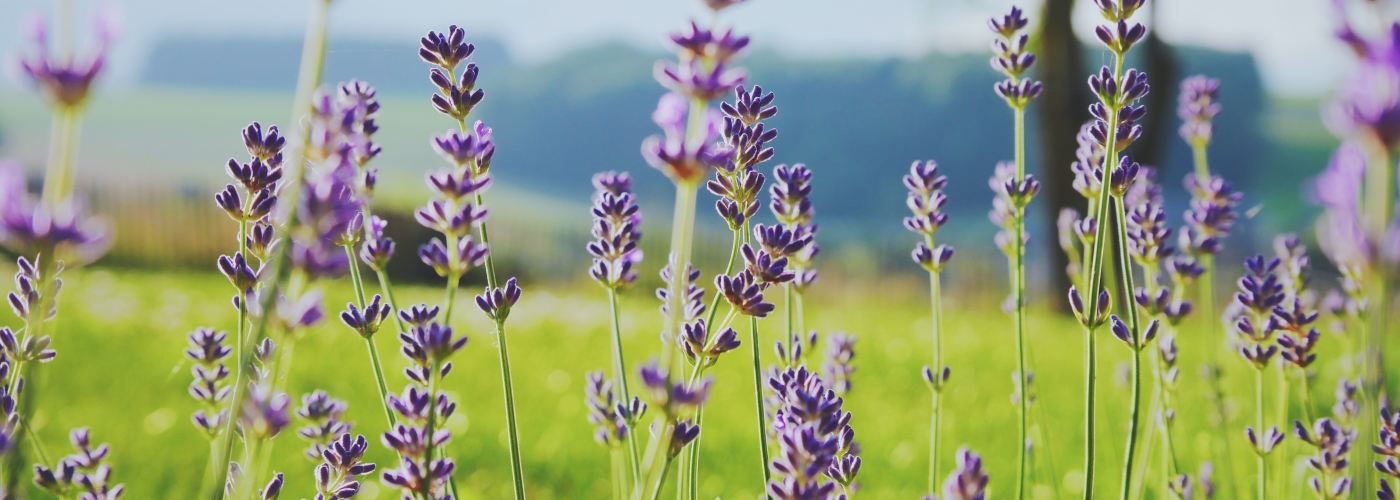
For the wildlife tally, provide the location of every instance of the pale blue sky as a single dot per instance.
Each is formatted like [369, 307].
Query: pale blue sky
[1291, 38]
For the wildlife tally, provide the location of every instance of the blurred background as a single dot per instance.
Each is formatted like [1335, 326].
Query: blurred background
[864, 89]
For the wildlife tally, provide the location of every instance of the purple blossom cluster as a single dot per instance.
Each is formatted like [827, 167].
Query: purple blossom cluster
[1197, 106]
[84, 474]
[420, 411]
[324, 417]
[688, 149]
[339, 183]
[211, 386]
[926, 201]
[816, 456]
[840, 354]
[968, 481]
[29, 227]
[617, 231]
[64, 79]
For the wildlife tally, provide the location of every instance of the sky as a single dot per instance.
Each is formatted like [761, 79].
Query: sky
[1291, 39]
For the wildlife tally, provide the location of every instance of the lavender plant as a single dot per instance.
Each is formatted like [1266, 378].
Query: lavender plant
[1149, 243]
[686, 153]
[815, 439]
[1260, 292]
[1388, 450]
[676, 402]
[458, 210]
[968, 480]
[84, 474]
[1015, 189]
[270, 302]
[418, 437]
[615, 421]
[1209, 220]
[926, 201]
[1114, 129]
[53, 230]
[617, 226]
[1357, 190]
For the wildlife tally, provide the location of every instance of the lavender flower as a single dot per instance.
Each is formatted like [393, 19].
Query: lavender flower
[1333, 445]
[342, 464]
[429, 346]
[1149, 238]
[377, 248]
[791, 194]
[210, 385]
[264, 413]
[1012, 197]
[1367, 104]
[700, 347]
[496, 303]
[809, 422]
[456, 95]
[30, 228]
[968, 481]
[323, 415]
[683, 157]
[603, 411]
[1260, 292]
[675, 399]
[1389, 449]
[1211, 216]
[83, 472]
[693, 297]
[617, 226]
[745, 293]
[926, 200]
[840, 352]
[1012, 60]
[1197, 108]
[366, 322]
[66, 80]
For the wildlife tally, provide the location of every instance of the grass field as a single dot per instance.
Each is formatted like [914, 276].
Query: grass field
[121, 333]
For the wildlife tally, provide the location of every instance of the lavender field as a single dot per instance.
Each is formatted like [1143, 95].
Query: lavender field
[1113, 264]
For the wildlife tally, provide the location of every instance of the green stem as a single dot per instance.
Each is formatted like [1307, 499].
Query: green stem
[935, 296]
[388, 291]
[516, 475]
[758, 398]
[665, 471]
[374, 363]
[788, 338]
[1095, 285]
[682, 229]
[691, 471]
[1019, 284]
[1135, 333]
[1262, 483]
[617, 474]
[312, 63]
[430, 429]
[63, 142]
[620, 366]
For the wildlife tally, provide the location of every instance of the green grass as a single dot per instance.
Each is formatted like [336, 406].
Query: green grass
[120, 370]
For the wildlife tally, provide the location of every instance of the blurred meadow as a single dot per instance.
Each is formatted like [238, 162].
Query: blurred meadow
[155, 138]
[123, 375]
